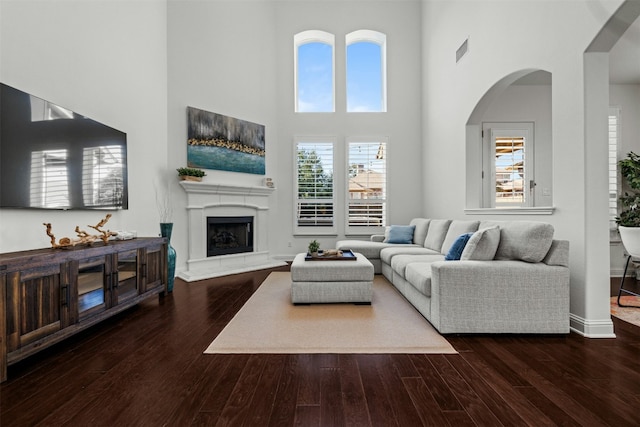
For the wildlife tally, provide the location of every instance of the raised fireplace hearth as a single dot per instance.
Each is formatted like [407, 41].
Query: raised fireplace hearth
[229, 235]
[245, 246]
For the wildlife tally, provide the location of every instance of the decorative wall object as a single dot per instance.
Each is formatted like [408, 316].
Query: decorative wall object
[83, 236]
[215, 141]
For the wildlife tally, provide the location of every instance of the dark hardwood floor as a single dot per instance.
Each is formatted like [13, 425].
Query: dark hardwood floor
[145, 367]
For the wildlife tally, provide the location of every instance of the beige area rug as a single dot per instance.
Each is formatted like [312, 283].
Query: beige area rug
[270, 323]
[628, 314]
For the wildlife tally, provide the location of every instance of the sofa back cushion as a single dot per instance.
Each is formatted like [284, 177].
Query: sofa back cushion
[456, 229]
[420, 233]
[482, 245]
[436, 234]
[522, 240]
[558, 254]
[400, 234]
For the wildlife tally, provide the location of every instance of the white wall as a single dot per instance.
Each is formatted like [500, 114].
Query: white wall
[236, 59]
[222, 58]
[102, 59]
[400, 21]
[530, 103]
[505, 37]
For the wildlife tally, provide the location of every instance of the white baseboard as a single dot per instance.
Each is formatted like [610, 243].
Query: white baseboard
[602, 328]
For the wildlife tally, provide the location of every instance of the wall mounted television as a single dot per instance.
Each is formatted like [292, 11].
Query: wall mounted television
[54, 158]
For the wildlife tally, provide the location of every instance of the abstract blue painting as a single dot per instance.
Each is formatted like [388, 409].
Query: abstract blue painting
[219, 142]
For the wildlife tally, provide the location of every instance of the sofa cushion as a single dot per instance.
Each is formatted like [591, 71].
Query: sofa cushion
[400, 234]
[558, 253]
[422, 226]
[522, 240]
[387, 254]
[418, 274]
[458, 246]
[482, 245]
[399, 263]
[371, 250]
[456, 228]
[436, 234]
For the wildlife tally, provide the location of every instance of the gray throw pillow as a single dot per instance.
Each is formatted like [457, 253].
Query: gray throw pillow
[482, 245]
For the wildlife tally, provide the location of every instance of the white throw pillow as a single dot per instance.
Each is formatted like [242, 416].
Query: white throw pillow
[482, 246]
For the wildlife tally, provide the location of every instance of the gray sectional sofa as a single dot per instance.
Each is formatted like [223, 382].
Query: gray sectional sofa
[512, 276]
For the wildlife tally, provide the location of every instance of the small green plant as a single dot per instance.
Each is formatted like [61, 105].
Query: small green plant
[199, 173]
[630, 171]
[314, 246]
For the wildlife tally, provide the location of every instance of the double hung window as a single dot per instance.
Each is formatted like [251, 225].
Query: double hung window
[508, 164]
[315, 199]
[367, 183]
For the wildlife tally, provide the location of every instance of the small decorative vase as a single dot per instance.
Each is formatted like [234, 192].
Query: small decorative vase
[165, 231]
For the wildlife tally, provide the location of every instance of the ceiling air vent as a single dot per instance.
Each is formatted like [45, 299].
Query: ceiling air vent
[464, 47]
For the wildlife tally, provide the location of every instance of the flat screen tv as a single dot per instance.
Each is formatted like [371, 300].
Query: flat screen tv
[53, 158]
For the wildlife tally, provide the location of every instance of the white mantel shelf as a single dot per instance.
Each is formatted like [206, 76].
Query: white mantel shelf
[225, 189]
[214, 199]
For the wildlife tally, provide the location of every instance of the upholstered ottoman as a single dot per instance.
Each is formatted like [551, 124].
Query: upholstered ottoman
[331, 281]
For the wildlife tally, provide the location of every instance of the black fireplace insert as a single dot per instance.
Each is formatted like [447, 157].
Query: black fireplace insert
[229, 235]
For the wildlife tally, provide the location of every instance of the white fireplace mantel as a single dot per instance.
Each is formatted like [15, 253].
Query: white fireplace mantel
[206, 199]
[192, 187]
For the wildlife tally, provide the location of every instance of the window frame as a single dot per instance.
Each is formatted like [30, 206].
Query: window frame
[366, 229]
[314, 36]
[312, 229]
[368, 36]
[489, 169]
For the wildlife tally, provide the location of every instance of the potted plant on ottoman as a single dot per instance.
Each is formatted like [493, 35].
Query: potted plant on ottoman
[629, 219]
[191, 174]
[313, 248]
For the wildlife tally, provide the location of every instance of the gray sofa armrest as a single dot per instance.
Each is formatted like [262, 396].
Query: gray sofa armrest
[499, 296]
[377, 238]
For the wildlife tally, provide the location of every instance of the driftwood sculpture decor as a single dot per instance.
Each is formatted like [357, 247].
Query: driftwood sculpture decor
[83, 236]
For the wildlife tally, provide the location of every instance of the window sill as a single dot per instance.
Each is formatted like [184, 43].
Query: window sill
[315, 233]
[543, 210]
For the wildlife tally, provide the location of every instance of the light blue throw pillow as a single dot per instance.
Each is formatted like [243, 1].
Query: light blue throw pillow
[457, 247]
[401, 234]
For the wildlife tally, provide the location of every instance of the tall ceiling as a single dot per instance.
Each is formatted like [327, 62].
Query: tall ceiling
[624, 58]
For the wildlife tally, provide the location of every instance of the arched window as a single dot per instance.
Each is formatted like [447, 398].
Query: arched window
[366, 71]
[314, 72]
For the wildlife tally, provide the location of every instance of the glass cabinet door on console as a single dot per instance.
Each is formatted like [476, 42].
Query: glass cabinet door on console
[93, 285]
[126, 286]
[37, 304]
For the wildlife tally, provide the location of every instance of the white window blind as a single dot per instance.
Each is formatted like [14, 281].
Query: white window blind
[509, 170]
[614, 191]
[314, 184]
[367, 184]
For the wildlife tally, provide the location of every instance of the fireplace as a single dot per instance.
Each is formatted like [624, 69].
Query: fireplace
[229, 235]
[215, 200]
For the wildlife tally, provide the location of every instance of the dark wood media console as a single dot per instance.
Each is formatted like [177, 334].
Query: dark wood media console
[50, 294]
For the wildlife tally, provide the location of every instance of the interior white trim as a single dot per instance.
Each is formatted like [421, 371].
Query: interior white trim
[544, 210]
[601, 328]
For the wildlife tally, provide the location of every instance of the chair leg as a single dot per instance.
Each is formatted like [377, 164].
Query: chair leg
[621, 290]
